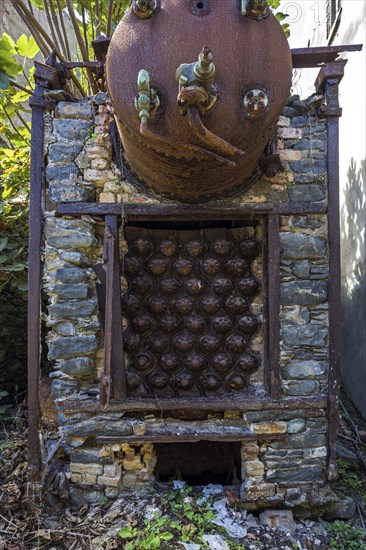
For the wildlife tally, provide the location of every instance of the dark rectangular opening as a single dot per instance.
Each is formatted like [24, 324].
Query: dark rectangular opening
[199, 463]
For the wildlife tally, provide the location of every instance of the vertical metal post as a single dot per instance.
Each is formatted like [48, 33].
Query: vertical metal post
[117, 365]
[328, 81]
[37, 103]
[106, 378]
[112, 380]
[273, 298]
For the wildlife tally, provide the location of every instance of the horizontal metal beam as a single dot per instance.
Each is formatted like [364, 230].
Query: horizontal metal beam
[303, 58]
[233, 403]
[179, 212]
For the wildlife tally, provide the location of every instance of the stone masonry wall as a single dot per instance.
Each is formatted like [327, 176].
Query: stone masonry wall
[289, 468]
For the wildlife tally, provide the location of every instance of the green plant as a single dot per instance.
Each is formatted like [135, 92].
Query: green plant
[343, 536]
[351, 477]
[280, 16]
[156, 534]
[184, 520]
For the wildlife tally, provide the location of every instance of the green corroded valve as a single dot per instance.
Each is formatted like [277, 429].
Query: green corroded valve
[147, 101]
[255, 9]
[195, 82]
[145, 9]
[197, 95]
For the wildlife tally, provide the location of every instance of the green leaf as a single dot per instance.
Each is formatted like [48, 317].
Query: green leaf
[281, 16]
[166, 536]
[7, 43]
[126, 533]
[27, 47]
[38, 4]
[274, 4]
[8, 64]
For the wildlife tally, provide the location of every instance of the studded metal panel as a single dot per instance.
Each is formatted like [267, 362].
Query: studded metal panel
[188, 315]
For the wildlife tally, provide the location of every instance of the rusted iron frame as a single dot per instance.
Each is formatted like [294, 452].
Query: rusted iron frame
[147, 212]
[273, 377]
[117, 357]
[38, 105]
[314, 404]
[112, 380]
[92, 65]
[108, 257]
[328, 82]
[303, 58]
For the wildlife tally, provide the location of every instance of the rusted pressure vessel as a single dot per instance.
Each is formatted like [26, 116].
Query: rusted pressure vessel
[197, 88]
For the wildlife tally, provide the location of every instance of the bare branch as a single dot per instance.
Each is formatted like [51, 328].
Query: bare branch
[97, 18]
[33, 21]
[57, 27]
[51, 27]
[20, 87]
[109, 18]
[85, 30]
[24, 122]
[40, 43]
[79, 38]
[66, 39]
[13, 126]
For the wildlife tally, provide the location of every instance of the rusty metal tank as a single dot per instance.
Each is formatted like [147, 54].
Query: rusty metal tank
[197, 88]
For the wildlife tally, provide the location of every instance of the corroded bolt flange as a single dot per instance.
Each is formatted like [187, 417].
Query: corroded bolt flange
[145, 9]
[255, 102]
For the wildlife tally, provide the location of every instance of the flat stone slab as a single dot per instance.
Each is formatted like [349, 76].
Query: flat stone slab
[170, 431]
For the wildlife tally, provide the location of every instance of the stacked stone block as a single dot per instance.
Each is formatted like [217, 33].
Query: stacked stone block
[72, 311]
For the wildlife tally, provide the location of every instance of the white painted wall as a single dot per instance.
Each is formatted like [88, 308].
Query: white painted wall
[308, 28]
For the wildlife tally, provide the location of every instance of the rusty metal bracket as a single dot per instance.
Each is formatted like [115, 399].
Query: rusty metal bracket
[214, 141]
[100, 46]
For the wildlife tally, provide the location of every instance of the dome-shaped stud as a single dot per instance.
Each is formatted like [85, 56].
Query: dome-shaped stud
[236, 343]
[168, 248]
[222, 362]
[133, 380]
[158, 380]
[194, 286]
[194, 323]
[169, 323]
[222, 286]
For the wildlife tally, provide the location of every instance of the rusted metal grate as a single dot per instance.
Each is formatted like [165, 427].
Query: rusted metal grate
[188, 311]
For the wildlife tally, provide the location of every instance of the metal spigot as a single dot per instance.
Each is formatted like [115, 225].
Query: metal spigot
[204, 69]
[145, 9]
